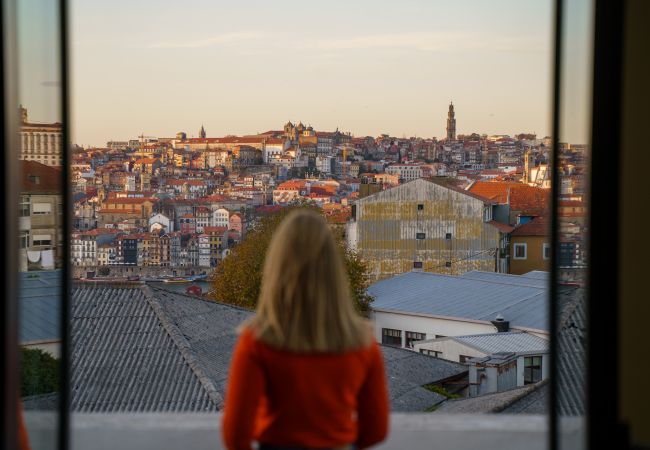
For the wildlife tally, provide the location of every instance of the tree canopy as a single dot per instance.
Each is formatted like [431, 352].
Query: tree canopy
[39, 372]
[238, 278]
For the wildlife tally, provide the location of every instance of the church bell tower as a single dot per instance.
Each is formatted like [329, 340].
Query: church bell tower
[451, 123]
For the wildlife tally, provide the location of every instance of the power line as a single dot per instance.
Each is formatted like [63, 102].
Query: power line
[468, 257]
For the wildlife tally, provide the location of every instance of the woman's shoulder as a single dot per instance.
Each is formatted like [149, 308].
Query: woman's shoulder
[247, 338]
[247, 333]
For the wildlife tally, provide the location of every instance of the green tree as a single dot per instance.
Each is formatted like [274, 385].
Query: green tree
[238, 278]
[39, 372]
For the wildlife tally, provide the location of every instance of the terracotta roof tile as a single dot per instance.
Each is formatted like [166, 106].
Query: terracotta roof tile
[215, 229]
[504, 228]
[539, 226]
[39, 178]
[521, 197]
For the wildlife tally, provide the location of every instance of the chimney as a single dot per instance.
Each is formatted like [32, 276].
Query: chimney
[501, 324]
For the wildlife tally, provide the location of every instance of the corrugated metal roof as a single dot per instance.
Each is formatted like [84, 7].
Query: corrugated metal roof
[407, 371]
[488, 403]
[125, 357]
[571, 358]
[524, 305]
[210, 332]
[39, 307]
[518, 280]
[208, 327]
[516, 342]
[171, 352]
[542, 275]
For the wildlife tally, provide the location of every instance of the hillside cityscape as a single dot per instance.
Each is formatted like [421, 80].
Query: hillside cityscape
[156, 207]
[454, 233]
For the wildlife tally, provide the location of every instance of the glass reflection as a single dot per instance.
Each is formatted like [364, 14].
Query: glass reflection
[40, 216]
[573, 164]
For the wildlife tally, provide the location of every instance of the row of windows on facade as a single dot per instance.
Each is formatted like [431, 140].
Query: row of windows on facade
[38, 149]
[36, 239]
[393, 337]
[521, 251]
[40, 137]
[28, 208]
[43, 159]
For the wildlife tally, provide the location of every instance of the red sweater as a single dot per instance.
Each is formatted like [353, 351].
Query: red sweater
[290, 399]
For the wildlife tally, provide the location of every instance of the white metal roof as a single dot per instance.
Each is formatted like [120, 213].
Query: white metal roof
[538, 279]
[524, 304]
[512, 341]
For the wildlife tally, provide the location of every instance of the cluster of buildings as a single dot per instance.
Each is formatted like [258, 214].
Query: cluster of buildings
[462, 203]
[455, 233]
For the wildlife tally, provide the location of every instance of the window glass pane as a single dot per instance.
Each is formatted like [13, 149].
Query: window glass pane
[434, 186]
[573, 156]
[41, 231]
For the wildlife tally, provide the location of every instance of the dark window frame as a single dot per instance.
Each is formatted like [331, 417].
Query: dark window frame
[520, 245]
[432, 353]
[389, 336]
[603, 406]
[530, 366]
[413, 336]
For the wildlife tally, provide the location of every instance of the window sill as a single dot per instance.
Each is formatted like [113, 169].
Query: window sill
[157, 431]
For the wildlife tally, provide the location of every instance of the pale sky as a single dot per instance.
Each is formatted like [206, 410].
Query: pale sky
[368, 67]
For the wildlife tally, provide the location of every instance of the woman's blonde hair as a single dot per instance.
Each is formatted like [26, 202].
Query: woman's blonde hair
[305, 303]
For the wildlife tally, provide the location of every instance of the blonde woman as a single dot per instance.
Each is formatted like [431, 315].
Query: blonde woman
[306, 372]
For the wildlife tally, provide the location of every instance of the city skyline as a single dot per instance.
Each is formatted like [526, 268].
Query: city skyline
[244, 69]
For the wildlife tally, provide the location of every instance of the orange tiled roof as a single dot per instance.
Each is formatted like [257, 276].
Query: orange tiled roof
[129, 200]
[99, 231]
[215, 229]
[529, 199]
[217, 198]
[146, 161]
[539, 226]
[504, 228]
[118, 211]
[491, 190]
[573, 203]
[229, 140]
[37, 177]
[323, 190]
[292, 185]
[521, 197]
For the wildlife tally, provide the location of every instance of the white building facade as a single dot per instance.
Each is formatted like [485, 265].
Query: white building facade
[220, 218]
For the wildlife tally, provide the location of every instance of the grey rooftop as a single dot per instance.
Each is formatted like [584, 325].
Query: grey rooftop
[127, 355]
[39, 306]
[535, 278]
[137, 348]
[407, 371]
[534, 399]
[511, 341]
[475, 296]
